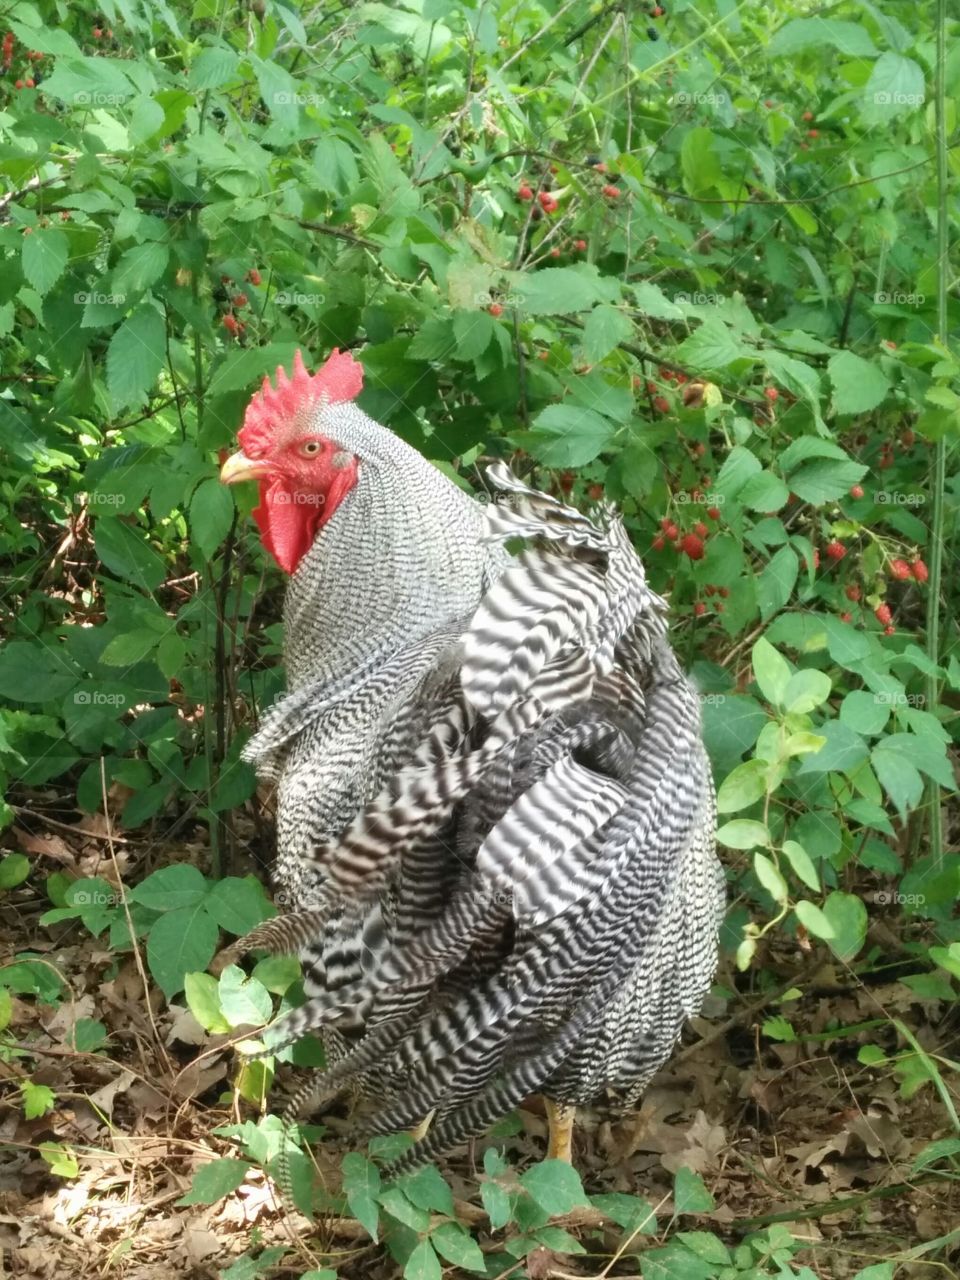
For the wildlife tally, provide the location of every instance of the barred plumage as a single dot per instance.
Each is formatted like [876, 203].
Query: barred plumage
[495, 813]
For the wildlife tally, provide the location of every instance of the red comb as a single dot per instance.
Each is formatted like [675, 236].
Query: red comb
[275, 409]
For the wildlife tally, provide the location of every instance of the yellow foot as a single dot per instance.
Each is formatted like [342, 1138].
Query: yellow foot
[560, 1119]
[421, 1130]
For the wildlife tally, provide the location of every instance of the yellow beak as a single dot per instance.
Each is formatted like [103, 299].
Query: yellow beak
[239, 467]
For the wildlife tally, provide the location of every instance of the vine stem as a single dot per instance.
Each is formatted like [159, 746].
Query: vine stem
[940, 456]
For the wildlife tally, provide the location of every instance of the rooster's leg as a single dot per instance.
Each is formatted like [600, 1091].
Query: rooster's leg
[560, 1119]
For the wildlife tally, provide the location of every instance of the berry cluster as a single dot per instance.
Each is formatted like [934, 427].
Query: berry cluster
[237, 302]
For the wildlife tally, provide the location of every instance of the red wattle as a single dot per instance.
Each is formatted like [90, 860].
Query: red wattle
[289, 520]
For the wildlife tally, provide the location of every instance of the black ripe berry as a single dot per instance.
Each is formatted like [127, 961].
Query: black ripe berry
[653, 33]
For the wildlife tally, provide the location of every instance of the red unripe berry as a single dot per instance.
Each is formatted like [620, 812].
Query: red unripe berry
[772, 394]
[835, 550]
[672, 532]
[600, 167]
[804, 146]
[713, 513]
[856, 491]
[543, 355]
[253, 275]
[18, 84]
[692, 546]
[891, 346]
[610, 191]
[719, 606]
[230, 323]
[920, 571]
[768, 102]
[658, 543]
[723, 591]
[97, 33]
[661, 404]
[700, 529]
[554, 252]
[29, 82]
[566, 481]
[882, 614]
[524, 193]
[495, 309]
[889, 630]
[699, 449]
[813, 133]
[240, 300]
[908, 439]
[544, 197]
[699, 609]
[656, 12]
[580, 245]
[846, 617]
[652, 388]
[899, 569]
[595, 492]
[808, 115]
[666, 523]
[680, 379]
[852, 592]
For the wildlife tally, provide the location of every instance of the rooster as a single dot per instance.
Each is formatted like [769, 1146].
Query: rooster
[495, 813]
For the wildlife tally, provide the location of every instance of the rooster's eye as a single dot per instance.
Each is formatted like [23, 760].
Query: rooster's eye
[309, 448]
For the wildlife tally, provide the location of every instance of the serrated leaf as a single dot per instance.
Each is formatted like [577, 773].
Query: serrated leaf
[858, 385]
[139, 267]
[566, 435]
[136, 354]
[211, 515]
[213, 68]
[38, 1099]
[605, 329]
[45, 253]
[554, 1185]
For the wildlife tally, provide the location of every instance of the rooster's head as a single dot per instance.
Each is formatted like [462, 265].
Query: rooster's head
[286, 444]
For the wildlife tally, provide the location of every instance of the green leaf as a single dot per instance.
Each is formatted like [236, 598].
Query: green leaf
[136, 354]
[699, 160]
[848, 919]
[44, 254]
[605, 329]
[713, 347]
[764, 492]
[814, 920]
[423, 1263]
[35, 672]
[126, 553]
[629, 1212]
[361, 1186]
[554, 1185]
[213, 68]
[806, 690]
[858, 384]
[771, 671]
[690, 1194]
[706, 1246]
[14, 869]
[453, 1243]
[238, 904]
[211, 515]
[427, 1188]
[771, 879]
[127, 649]
[214, 1180]
[865, 712]
[849, 38]
[496, 1202]
[776, 582]
[895, 88]
[203, 1000]
[899, 778]
[842, 751]
[394, 1202]
[139, 268]
[171, 888]
[244, 1001]
[743, 833]
[556, 291]
[38, 1099]
[62, 1161]
[825, 481]
[801, 864]
[180, 942]
[743, 787]
[566, 435]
